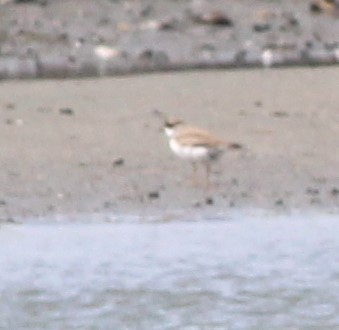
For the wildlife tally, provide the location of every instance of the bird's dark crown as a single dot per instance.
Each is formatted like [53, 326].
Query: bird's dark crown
[172, 122]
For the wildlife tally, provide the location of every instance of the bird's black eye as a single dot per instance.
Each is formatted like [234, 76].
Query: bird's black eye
[169, 125]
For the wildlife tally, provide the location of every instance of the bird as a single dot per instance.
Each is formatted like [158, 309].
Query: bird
[196, 145]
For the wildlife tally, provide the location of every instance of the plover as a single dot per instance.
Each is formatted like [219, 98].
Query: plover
[196, 145]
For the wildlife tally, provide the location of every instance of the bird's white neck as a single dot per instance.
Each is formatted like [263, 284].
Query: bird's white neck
[169, 132]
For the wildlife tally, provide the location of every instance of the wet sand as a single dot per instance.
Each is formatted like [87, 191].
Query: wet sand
[96, 146]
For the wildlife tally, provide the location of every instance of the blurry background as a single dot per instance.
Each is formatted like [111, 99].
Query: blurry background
[84, 37]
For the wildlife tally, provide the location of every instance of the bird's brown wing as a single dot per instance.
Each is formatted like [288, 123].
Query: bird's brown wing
[198, 137]
[190, 135]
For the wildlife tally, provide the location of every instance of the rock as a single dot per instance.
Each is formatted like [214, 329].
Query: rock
[9, 121]
[335, 192]
[215, 17]
[261, 27]
[118, 162]
[153, 58]
[235, 182]
[209, 201]
[66, 111]
[153, 195]
[10, 220]
[279, 202]
[280, 114]
[312, 191]
[235, 145]
[10, 106]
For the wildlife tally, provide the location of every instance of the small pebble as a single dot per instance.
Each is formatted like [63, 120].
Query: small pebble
[315, 8]
[216, 18]
[235, 182]
[10, 220]
[153, 195]
[280, 114]
[83, 164]
[108, 204]
[312, 191]
[261, 27]
[279, 202]
[66, 111]
[119, 162]
[315, 200]
[335, 191]
[10, 106]
[209, 201]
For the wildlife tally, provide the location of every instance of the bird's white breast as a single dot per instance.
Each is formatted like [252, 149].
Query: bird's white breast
[188, 152]
[169, 132]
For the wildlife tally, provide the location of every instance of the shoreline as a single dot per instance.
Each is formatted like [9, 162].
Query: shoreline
[66, 151]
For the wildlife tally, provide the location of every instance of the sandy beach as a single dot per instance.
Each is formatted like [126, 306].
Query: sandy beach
[96, 145]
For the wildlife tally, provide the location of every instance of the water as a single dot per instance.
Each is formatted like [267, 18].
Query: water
[278, 273]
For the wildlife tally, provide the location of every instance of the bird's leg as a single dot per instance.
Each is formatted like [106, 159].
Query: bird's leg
[208, 172]
[195, 181]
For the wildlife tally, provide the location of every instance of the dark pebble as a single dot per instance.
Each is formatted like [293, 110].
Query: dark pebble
[83, 164]
[293, 21]
[216, 18]
[9, 121]
[315, 8]
[315, 200]
[258, 104]
[261, 27]
[38, 2]
[309, 44]
[235, 146]
[10, 106]
[108, 204]
[153, 195]
[66, 111]
[2, 202]
[279, 202]
[10, 220]
[119, 162]
[209, 201]
[280, 114]
[168, 24]
[154, 57]
[312, 191]
[235, 182]
[335, 191]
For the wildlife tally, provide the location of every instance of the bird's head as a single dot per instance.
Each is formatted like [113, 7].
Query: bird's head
[171, 124]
